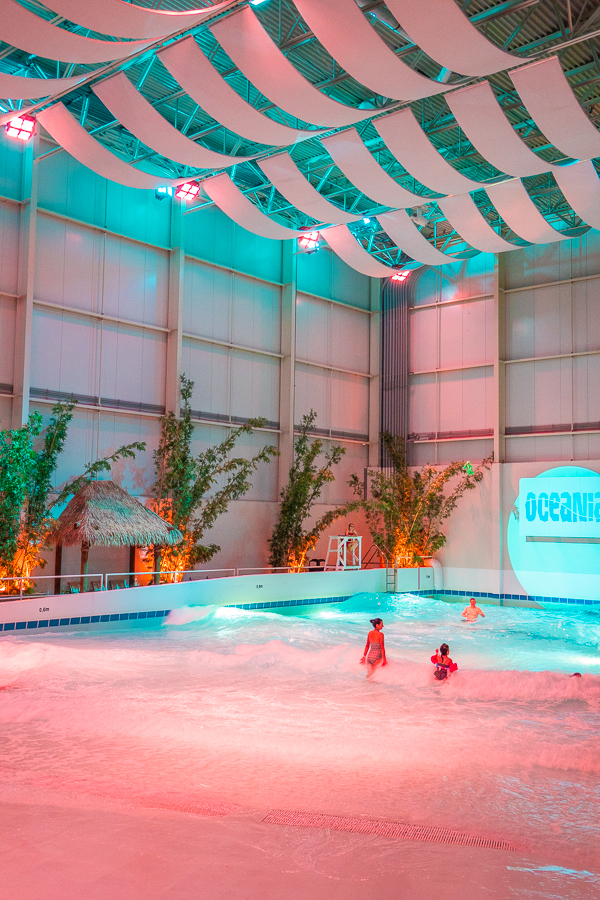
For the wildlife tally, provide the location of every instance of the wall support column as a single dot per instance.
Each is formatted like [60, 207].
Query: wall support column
[498, 525]
[24, 316]
[375, 372]
[287, 383]
[175, 309]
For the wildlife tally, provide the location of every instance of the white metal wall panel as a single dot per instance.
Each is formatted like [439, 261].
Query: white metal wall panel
[586, 446]
[325, 275]
[7, 338]
[136, 282]
[466, 333]
[349, 339]
[445, 452]
[466, 400]
[551, 447]
[353, 462]
[463, 278]
[313, 392]
[586, 315]
[65, 352]
[424, 340]
[586, 389]
[538, 322]
[539, 393]
[138, 214]
[68, 264]
[264, 478]
[423, 404]
[133, 364]
[11, 167]
[349, 403]
[212, 236]
[114, 430]
[209, 368]
[10, 219]
[313, 338]
[207, 301]
[256, 314]
[5, 411]
[81, 446]
[543, 263]
[254, 386]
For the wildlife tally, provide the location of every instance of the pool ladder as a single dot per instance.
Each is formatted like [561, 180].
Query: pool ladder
[390, 581]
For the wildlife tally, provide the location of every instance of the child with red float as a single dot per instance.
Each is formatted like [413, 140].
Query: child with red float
[443, 664]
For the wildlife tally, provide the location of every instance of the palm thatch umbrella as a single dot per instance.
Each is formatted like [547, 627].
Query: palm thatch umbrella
[103, 513]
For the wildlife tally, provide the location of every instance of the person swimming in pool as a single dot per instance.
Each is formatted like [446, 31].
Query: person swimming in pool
[374, 654]
[471, 612]
[442, 662]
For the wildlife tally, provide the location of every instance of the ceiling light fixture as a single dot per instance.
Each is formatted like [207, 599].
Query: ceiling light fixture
[402, 275]
[187, 191]
[309, 242]
[21, 127]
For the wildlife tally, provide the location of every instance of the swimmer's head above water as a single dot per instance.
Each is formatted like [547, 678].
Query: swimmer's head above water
[444, 649]
[377, 624]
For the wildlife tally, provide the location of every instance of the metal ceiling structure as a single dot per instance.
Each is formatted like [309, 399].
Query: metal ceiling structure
[569, 29]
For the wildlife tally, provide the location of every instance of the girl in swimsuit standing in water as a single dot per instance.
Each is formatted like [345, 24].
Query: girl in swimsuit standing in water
[374, 654]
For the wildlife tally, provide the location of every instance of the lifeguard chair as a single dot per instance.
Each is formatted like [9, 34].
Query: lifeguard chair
[344, 552]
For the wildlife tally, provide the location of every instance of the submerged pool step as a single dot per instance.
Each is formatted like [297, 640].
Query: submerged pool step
[429, 833]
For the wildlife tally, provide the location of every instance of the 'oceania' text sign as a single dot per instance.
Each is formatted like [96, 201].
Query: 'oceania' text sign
[560, 507]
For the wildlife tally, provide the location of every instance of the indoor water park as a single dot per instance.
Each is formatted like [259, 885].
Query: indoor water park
[299, 449]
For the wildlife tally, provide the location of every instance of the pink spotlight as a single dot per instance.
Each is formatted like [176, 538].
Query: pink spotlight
[402, 275]
[309, 241]
[21, 127]
[187, 191]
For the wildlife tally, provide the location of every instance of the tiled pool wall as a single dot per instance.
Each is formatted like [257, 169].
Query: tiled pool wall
[515, 598]
[154, 614]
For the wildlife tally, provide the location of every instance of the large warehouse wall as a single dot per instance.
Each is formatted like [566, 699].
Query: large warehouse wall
[108, 293]
[505, 356]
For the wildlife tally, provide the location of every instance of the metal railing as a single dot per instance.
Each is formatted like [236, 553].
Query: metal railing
[28, 585]
[112, 578]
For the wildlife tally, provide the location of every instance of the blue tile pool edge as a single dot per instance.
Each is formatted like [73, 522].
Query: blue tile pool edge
[156, 614]
[523, 598]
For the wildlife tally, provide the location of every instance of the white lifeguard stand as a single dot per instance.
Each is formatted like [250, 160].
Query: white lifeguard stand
[344, 552]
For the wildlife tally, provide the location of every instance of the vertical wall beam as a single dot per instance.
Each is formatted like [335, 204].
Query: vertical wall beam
[498, 526]
[175, 309]
[24, 317]
[375, 372]
[287, 382]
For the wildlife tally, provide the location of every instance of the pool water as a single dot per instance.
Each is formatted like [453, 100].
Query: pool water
[259, 710]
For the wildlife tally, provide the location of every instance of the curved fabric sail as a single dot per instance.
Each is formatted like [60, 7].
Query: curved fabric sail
[133, 111]
[127, 20]
[245, 41]
[188, 65]
[342, 28]
[464, 216]
[442, 30]
[60, 124]
[23, 29]
[18, 87]
[545, 91]
[403, 231]
[481, 118]
[521, 214]
[362, 169]
[284, 174]
[412, 148]
[230, 200]
[344, 244]
[581, 188]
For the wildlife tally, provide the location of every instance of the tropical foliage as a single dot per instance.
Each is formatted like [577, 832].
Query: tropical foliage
[291, 540]
[191, 492]
[28, 461]
[406, 510]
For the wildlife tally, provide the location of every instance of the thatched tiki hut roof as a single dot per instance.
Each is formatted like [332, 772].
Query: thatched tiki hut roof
[103, 513]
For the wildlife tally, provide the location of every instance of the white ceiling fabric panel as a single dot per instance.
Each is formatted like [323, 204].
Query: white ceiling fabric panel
[442, 30]
[60, 124]
[521, 214]
[345, 32]
[23, 29]
[127, 20]
[284, 174]
[344, 244]
[553, 106]
[403, 231]
[230, 200]
[464, 216]
[412, 148]
[18, 87]
[481, 118]
[198, 77]
[254, 53]
[362, 169]
[581, 188]
[133, 111]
